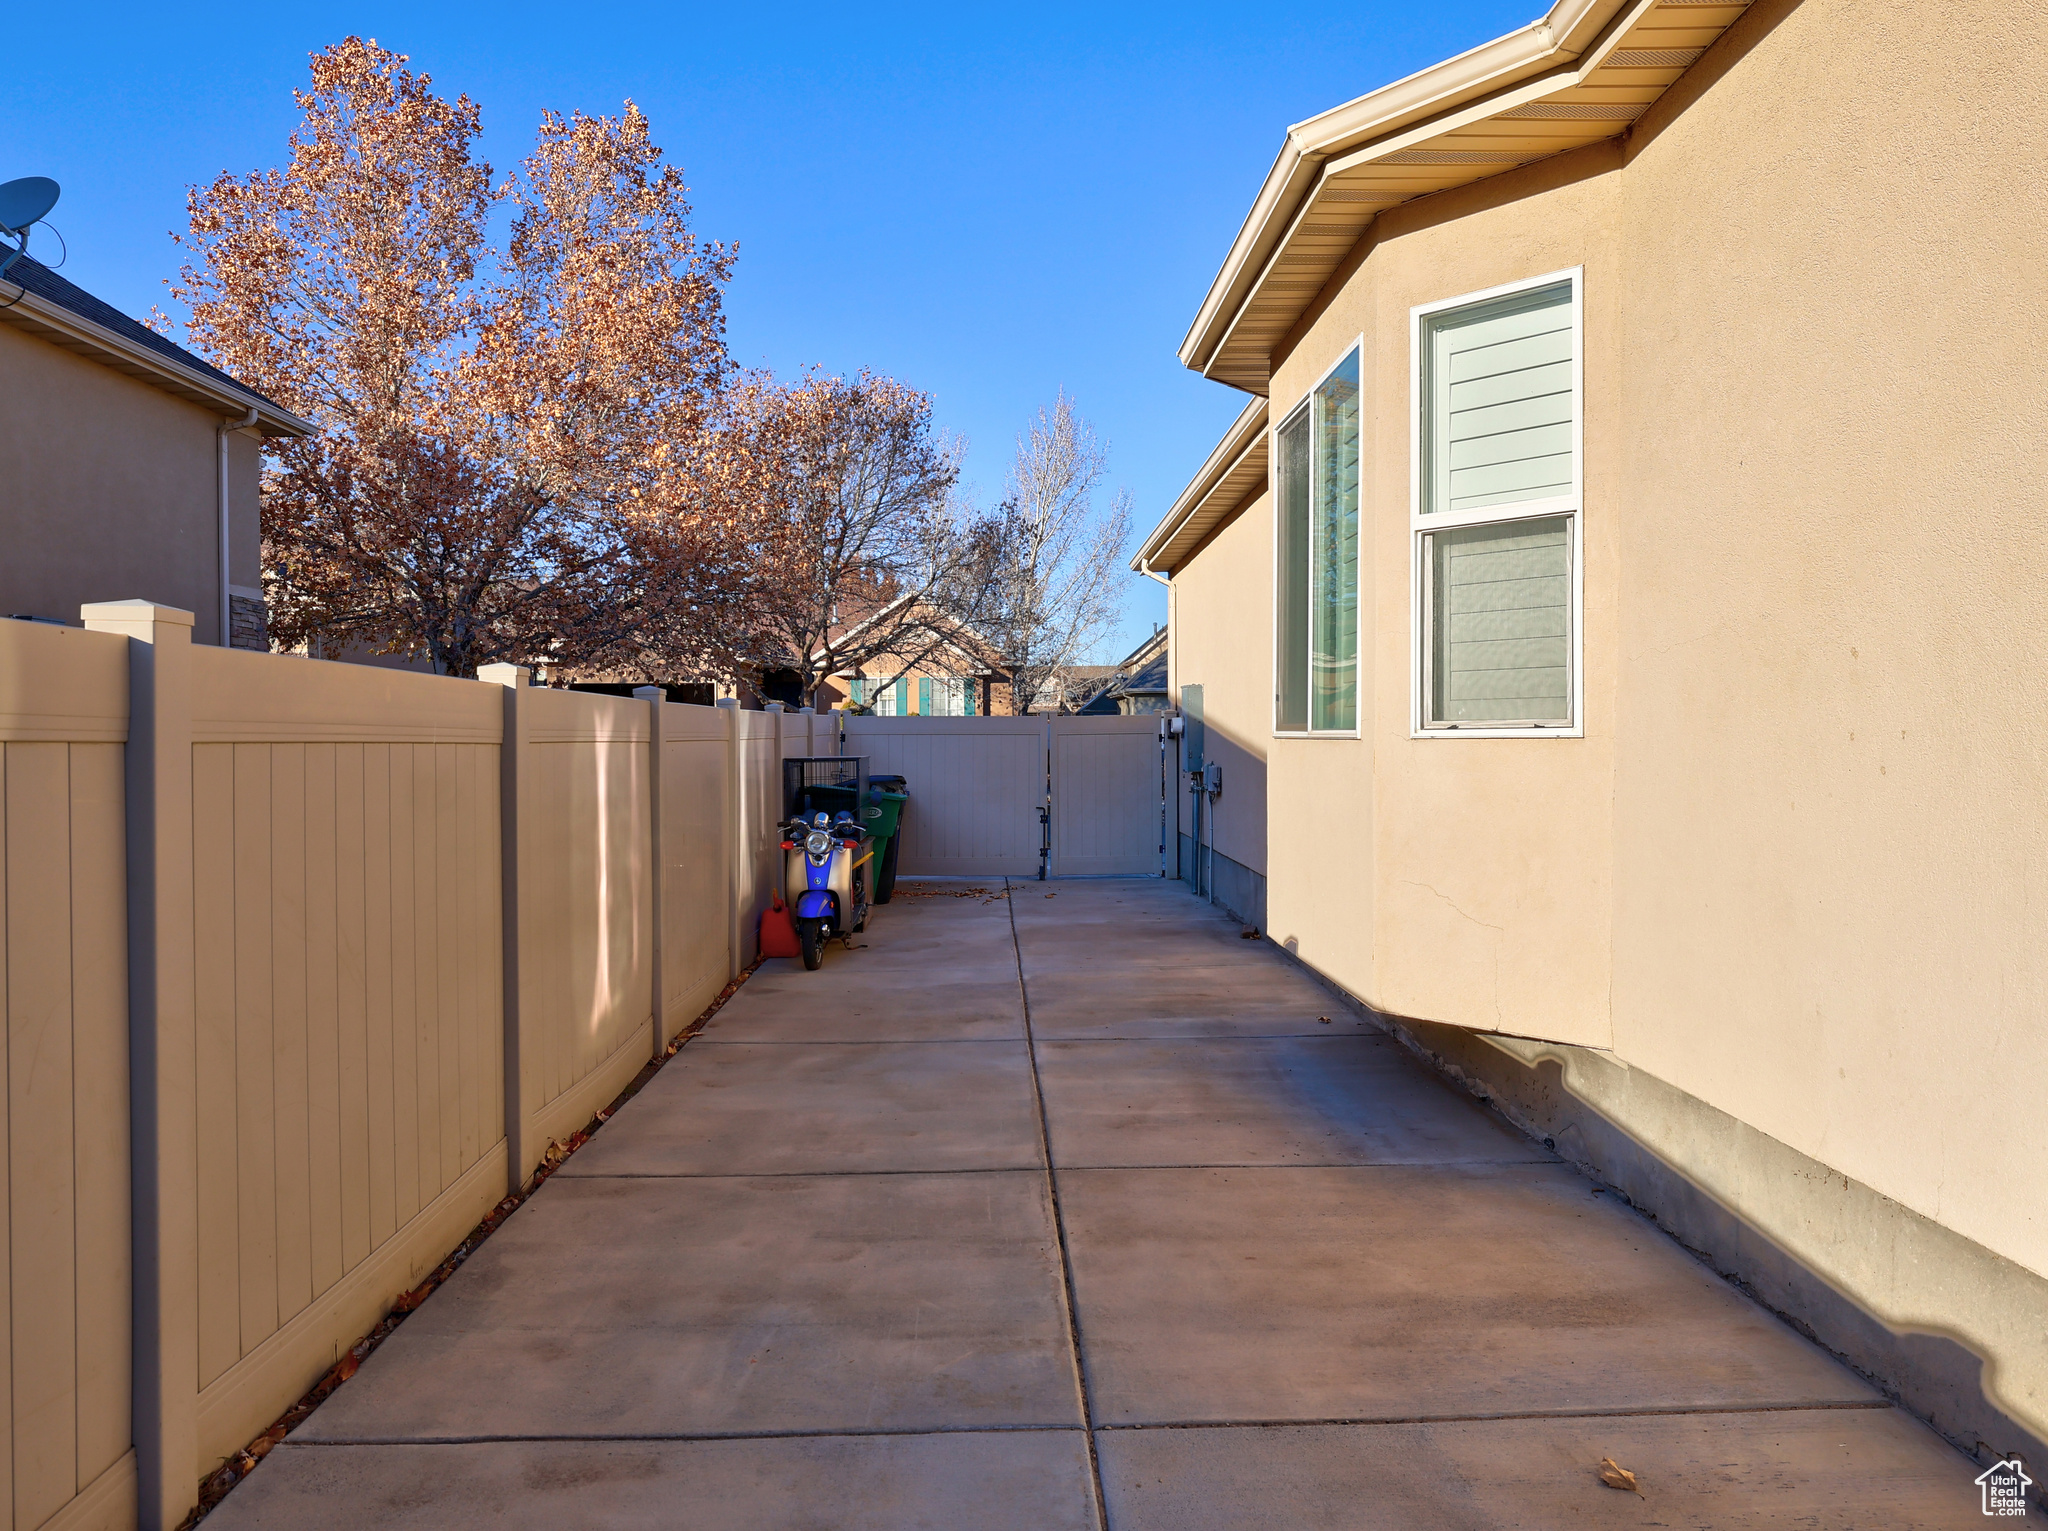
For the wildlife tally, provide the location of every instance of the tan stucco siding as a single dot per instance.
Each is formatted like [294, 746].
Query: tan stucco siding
[1831, 846]
[1235, 677]
[1794, 867]
[108, 490]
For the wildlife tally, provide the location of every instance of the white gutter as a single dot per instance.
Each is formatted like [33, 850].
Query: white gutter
[1570, 27]
[220, 440]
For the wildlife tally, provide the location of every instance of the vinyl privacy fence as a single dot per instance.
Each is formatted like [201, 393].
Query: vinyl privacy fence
[305, 964]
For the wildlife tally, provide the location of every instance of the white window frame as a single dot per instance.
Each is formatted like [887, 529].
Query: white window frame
[1569, 506]
[1357, 343]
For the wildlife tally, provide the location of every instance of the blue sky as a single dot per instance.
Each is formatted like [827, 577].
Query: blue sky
[989, 203]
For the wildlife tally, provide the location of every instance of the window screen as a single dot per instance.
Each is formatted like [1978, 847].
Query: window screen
[1501, 610]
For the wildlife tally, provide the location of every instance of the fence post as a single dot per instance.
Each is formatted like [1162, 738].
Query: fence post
[775, 779]
[653, 696]
[735, 800]
[520, 1149]
[162, 1043]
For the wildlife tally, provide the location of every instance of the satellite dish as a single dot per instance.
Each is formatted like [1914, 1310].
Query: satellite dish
[24, 201]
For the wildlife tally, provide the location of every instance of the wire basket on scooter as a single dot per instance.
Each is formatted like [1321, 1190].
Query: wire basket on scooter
[824, 784]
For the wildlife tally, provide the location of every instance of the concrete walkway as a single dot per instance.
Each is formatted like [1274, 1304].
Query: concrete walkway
[818, 1274]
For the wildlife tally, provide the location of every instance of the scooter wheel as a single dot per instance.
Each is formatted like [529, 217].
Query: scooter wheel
[811, 934]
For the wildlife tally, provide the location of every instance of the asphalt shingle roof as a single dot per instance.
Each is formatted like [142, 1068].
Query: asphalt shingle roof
[33, 276]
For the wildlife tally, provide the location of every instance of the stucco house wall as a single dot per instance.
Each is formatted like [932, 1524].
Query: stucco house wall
[111, 470]
[1792, 871]
[110, 491]
[1236, 678]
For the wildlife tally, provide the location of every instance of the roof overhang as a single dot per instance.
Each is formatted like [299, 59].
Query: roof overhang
[1582, 74]
[34, 313]
[1234, 474]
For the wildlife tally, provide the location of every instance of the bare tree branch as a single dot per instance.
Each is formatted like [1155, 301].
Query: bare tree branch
[1060, 562]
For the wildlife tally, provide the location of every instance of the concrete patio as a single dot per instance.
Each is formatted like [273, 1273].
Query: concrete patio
[1069, 1206]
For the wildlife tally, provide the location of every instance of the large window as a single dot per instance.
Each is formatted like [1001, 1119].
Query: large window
[1496, 513]
[1315, 682]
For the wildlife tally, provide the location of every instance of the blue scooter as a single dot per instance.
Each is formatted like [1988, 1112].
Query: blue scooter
[827, 876]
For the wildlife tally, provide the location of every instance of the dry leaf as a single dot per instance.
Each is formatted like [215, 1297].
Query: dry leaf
[1249, 933]
[1324, 1019]
[260, 1447]
[344, 1369]
[1614, 1475]
[407, 1301]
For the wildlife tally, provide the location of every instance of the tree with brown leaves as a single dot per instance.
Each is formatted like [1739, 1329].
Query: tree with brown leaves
[861, 548]
[517, 456]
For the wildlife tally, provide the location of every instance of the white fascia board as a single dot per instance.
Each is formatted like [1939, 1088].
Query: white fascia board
[1286, 184]
[1559, 38]
[1239, 439]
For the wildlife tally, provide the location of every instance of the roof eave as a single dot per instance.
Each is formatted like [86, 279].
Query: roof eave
[1243, 434]
[50, 321]
[1566, 31]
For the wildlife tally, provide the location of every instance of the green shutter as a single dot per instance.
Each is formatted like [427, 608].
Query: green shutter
[968, 686]
[924, 695]
[903, 696]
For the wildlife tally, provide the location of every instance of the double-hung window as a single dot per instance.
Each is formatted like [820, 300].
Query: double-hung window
[1496, 512]
[1315, 648]
[946, 696]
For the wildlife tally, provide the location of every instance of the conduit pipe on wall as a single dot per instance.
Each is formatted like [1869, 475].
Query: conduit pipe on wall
[220, 442]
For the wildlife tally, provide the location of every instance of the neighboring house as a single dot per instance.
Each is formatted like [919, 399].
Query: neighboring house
[1136, 686]
[1618, 616]
[933, 667]
[128, 466]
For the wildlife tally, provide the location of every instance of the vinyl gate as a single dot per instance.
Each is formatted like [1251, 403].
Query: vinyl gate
[1007, 796]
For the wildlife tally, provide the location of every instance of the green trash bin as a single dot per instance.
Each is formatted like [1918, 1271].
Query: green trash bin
[884, 817]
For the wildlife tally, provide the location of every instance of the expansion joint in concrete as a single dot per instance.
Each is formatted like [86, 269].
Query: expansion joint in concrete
[1059, 1223]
